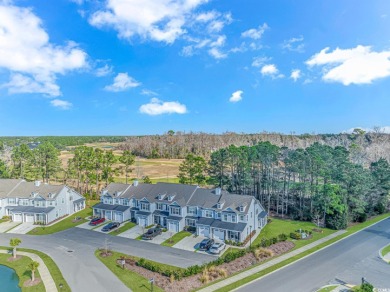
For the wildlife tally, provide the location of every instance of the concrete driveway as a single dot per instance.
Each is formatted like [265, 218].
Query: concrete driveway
[190, 243]
[133, 232]
[5, 226]
[23, 228]
[90, 227]
[162, 237]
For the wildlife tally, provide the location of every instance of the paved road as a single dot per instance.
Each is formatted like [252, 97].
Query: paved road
[348, 261]
[73, 251]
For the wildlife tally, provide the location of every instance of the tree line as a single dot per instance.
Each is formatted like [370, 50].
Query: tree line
[317, 183]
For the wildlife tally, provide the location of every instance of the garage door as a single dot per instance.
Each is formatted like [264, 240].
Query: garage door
[29, 218]
[142, 221]
[119, 217]
[17, 217]
[219, 234]
[108, 215]
[203, 231]
[173, 226]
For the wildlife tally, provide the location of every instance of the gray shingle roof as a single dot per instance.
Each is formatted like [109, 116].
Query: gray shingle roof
[222, 225]
[119, 208]
[78, 200]
[174, 218]
[143, 213]
[30, 209]
[163, 213]
[12, 188]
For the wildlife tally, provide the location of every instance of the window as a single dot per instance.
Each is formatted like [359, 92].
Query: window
[218, 215]
[208, 214]
[242, 208]
[63, 200]
[225, 217]
[233, 218]
[191, 222]
[159, 206]
[175, 211]
[242, 218]
[144, 206]
[191, 210]
[11, 200]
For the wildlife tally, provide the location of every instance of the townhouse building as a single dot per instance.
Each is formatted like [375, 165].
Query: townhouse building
[37, 202]
[213, 213]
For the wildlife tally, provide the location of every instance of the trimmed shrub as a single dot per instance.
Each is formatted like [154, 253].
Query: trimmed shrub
[282, 237]
[295, 235]
[262, 253]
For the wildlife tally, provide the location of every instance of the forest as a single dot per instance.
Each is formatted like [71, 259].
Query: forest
[328, 183]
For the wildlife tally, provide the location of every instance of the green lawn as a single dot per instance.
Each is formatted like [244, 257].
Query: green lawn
[350, 231]
[51, 265]
[278, 226]
[66, 223]
[327, 289]
[176, 238]
[386, 250]
[20, 267]
[131, 279]
[123, 228]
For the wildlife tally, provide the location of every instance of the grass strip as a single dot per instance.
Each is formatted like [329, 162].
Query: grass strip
[328, 288]
[51, 265]
[386, 250]
[123, 228]
[350, 230]
[131, 279]
[176, 238]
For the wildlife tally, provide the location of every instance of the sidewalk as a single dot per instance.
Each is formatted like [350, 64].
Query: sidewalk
[268, 264]
[47, 279]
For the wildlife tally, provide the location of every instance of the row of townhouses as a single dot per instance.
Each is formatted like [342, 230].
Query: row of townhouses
[37, 202]
[213, 212]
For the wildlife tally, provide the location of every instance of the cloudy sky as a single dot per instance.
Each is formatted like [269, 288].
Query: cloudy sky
[130, 67]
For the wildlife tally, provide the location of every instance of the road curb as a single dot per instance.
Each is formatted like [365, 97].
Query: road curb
[382, 257]
[246, 284]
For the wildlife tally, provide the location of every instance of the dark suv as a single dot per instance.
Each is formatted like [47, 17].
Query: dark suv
[152, 233]
[206, 244]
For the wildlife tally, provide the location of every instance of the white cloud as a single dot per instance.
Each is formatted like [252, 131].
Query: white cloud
[236, 96]
[103, 71]
[158, 107]
[254, 33]
[206, 16]
[162, 20]
[294, 44]
[26, 52]
[122, 81]
[62, 104]
[260, 61]
[295, 74]
[271, 70]
[217, 54]
[148, 92]
[358, 65]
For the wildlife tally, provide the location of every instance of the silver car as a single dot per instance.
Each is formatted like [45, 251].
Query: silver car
[217, 247]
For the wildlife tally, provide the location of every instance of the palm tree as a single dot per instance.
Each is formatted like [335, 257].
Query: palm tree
[33, 266]
[14, 242]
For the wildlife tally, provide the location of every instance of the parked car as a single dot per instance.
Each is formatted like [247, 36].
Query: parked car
[206, 244]
[217, 247]
[97, 221]
[152, 233]
[110, 226]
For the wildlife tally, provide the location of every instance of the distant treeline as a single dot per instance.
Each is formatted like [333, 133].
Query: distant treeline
[60, 142]
[364, 147]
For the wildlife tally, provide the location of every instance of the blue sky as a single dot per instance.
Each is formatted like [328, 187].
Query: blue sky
[133, 67]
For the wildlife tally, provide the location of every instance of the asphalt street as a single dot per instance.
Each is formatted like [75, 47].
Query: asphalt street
[73, 251]
[346, 261]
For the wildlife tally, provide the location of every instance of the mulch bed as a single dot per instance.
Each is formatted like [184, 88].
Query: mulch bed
[30, 283]
[12, 259]
[193, 282]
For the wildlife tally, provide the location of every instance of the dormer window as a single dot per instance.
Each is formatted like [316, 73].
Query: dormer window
[170, 198]
[161, 197]
[219, 206]
[242, 208]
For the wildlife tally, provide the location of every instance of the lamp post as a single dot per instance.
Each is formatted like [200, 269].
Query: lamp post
[151, 281]
[250, 236]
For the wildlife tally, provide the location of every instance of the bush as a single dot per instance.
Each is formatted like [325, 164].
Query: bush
[365, 287]
[295, 235]
[274, 240]
[282, 237]
[262, 253]
[190, 228]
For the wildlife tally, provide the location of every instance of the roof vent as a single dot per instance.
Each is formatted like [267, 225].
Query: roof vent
[218, 191]
[37, 183]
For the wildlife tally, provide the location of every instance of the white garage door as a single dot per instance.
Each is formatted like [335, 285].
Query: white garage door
[173, 226]
[203, 231]
[108, 215]
[219, 234]
[29, 218]
[118, 217]
[142, 221]
[17, 217]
